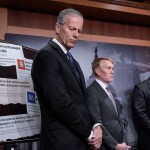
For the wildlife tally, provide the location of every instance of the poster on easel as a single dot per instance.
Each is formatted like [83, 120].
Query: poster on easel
[19, 108]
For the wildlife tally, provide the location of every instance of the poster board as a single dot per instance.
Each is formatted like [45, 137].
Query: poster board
[19, 108]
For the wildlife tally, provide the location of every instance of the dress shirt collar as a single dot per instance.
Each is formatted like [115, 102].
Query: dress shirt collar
[102, 84]
[61, 46]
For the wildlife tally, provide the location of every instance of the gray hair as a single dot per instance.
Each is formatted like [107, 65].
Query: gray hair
[65, 12]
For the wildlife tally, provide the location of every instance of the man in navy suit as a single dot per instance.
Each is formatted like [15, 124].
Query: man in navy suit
[141, 112]
[103, 105]
[66, 123]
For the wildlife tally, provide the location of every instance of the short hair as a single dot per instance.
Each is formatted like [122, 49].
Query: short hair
[65, 12]
[96, 63]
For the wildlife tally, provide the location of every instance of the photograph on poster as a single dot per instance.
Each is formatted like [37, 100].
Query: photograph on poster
[131, 65]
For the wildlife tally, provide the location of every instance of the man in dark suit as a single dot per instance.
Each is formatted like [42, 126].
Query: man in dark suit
[141, 112]
[104, 107]
[58, 80]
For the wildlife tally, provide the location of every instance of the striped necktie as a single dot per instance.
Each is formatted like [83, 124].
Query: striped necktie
[68, 54]
[112, 98]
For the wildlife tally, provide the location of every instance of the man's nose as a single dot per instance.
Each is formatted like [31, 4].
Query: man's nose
[76, 33]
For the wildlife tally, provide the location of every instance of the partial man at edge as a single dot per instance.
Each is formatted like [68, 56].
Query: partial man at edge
[141, 113]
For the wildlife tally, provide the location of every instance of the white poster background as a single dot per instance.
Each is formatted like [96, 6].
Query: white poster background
[18, 91]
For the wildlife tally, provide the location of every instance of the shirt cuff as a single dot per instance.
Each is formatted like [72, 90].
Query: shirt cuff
[97, 124]
[91, 135]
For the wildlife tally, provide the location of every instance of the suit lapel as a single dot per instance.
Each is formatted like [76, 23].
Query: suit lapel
[148, 83]
[104, 94]
[100, 89]
[82, 80]
[61, 53]
[64, 57]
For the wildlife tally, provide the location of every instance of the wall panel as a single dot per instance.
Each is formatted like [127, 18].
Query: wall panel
[45, 21]
[3, 22]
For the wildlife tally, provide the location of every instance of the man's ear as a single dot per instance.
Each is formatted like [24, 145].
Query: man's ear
[57, 27]
[97, 70]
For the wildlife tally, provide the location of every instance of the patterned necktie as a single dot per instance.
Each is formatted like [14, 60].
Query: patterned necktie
[112, 98]
[68, 54]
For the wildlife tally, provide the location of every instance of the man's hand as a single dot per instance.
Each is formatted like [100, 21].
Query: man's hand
[96, 140]
[122, 146]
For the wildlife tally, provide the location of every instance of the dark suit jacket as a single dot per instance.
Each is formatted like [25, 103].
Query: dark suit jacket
[101, 107]
[141, 112]
[65, 119]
